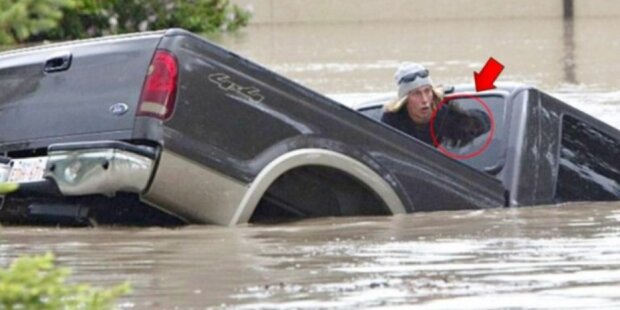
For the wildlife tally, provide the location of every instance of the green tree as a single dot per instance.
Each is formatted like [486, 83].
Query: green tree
[34, 283]
[36, 20]
[20, 19]
[91, 18]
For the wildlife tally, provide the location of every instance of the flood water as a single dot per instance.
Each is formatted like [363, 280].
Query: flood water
[558, 257]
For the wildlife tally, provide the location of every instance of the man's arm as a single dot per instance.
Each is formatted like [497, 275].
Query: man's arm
[458, 127]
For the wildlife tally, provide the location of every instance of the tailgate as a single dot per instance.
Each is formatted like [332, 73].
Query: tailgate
[88, 87]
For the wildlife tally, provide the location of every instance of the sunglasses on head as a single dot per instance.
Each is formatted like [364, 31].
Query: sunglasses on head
[412, 76]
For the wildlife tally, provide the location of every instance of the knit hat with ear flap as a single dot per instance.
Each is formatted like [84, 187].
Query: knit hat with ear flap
[408, 77]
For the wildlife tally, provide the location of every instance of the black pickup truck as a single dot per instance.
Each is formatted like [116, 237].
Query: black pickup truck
[129, 126]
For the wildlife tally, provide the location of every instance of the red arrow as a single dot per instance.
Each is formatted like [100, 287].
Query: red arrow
[487, 76]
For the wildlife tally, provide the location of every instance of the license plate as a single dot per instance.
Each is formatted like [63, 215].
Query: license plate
[27, 170]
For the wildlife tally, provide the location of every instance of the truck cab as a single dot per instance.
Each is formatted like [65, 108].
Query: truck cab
[541, 149]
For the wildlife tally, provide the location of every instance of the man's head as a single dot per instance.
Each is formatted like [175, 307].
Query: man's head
[415, 84]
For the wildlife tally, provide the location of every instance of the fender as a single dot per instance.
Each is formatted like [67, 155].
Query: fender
[320, 157]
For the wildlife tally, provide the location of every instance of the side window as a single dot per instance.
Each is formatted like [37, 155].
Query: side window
[474, 154]
[373, 112]
[589, 164]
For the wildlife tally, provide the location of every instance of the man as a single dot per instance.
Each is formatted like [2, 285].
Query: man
[418, 100]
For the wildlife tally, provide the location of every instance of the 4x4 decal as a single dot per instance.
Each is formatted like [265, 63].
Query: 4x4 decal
[223, 81]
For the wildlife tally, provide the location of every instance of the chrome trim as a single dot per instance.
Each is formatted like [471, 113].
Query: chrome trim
[193, 192]
[5, 170]
[102, 171]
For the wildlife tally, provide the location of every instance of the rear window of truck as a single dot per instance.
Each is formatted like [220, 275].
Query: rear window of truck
[489, 158]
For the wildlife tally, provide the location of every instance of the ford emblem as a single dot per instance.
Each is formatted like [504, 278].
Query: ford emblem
[119, 108]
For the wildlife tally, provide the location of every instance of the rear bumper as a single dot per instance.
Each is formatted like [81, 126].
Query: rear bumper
[81, 169]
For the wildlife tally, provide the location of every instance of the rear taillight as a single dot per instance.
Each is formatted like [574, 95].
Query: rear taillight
[159, 90]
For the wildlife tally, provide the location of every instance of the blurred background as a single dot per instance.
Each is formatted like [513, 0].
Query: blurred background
[354, 46]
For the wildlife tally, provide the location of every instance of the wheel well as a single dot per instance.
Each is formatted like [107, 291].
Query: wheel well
[316, 191]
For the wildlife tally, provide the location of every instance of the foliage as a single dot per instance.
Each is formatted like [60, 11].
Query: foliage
[35, 283]
[90, 18]
[35, 20]
[20, 19]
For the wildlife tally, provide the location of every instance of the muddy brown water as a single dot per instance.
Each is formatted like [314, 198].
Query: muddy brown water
[551, 257]
[558, 257]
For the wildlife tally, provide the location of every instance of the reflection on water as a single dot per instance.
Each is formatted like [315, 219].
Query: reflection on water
[569, 52]
[559, 257]
[556, 257]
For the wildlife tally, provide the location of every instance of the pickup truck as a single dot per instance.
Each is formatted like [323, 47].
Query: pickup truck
[166, 127]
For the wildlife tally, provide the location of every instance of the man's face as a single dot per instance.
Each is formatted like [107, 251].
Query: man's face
[419, 104]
